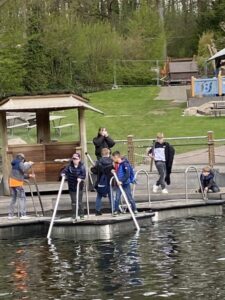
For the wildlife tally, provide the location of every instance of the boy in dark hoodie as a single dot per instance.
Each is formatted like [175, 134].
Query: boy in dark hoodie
[207, 181]
[75, 172]
[16, 182]
[102, 169]
[101, 141]
[123, 172]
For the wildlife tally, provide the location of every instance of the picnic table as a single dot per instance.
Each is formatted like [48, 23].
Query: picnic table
[11, 123]
[218, 108]
[58, 127]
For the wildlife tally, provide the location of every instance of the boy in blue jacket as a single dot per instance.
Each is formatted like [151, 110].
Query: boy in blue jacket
[123, 171]
[75, 172]
[207, 181]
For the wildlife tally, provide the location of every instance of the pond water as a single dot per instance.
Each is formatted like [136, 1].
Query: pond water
[178, 259]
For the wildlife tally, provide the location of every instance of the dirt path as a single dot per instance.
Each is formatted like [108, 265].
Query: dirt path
[177, 93]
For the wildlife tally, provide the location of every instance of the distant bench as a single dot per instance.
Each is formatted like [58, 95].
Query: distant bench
[11, 127]
[59, 128]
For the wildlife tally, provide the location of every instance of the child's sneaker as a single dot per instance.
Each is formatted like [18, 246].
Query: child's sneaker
[11, 217]
[164, 191]
[135, 212]
[155, 188]
[24, 218]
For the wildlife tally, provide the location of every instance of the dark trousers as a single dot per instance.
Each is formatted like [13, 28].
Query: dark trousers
[73, 196]
[214, 188]
[161, 168]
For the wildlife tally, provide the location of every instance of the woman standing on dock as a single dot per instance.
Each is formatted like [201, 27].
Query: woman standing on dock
[16, 182]
[101, 141]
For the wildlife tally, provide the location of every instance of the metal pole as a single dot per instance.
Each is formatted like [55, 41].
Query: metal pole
[89, 158]
[111, 194]
[32, 197]
[157, 68]
[148, 184]
[87, 199]
[204, 196]
[56, 207]
[126, 200]
[38, 192]
[77, 199]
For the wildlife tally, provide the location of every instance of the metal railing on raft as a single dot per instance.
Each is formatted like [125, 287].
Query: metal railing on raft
[192, 168]
[126, 200]
[148, 184]
[57, 204]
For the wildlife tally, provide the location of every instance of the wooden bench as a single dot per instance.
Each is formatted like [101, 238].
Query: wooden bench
[11, 127]
[218, 108]
[59, 128]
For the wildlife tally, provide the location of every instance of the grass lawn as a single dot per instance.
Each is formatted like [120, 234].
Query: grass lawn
[134, 111]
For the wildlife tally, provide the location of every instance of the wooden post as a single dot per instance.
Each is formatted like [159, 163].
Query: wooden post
[192, 86]
[83, 137]
[211, 148]
[43, 126]
[130, 150]
[5, 162]
[220, 85]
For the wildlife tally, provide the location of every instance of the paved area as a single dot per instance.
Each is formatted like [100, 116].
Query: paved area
[177, 93]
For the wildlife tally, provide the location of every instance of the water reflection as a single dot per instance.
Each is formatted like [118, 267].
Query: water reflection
[178, 260]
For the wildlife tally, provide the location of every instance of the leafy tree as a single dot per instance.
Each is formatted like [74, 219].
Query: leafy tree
[36, 67]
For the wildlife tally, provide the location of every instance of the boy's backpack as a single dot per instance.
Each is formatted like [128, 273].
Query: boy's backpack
[102, 187]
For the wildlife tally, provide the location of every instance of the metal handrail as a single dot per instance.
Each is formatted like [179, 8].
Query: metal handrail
[32, 197]
[112, 198]
[204, 196]
[77, 198]
[148, 184]
[56, 206]
[126, 200]
[111, 193]
[58, 199]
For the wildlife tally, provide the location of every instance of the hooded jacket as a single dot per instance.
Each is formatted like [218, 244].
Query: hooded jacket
[101, 142]
[207, 181]
[18, 172]
[123, 172]
[103, 166]
[72, 173]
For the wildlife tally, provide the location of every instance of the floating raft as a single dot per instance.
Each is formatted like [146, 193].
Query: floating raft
[99, 227]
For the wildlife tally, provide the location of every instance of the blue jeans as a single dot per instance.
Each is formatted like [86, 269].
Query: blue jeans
[18, 194]
[98, 203]
[128, 193]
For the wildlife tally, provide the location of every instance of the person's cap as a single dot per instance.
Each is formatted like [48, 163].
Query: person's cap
[206, 169]
[76, 156]
[160, 135]
[21, 155]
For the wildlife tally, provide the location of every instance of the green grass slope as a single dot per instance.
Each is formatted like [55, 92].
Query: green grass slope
[134, 111]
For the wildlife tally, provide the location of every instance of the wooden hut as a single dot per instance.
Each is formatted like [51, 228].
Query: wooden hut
[180, 71]
[45, 153]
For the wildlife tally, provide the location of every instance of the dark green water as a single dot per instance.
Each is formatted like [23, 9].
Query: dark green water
[179, 259]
